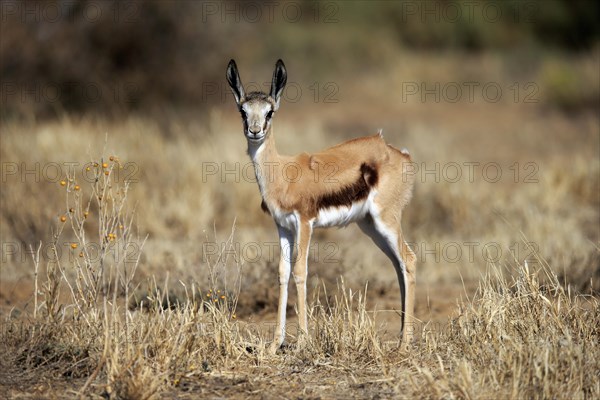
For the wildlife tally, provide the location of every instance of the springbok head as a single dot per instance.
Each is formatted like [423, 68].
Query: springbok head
[257, 108]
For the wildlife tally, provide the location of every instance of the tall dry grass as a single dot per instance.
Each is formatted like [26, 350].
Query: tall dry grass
[517, 337]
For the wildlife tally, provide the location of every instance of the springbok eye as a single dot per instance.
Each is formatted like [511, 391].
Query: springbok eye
[269, 114]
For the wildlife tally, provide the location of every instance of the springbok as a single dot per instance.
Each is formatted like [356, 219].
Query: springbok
[363, 180]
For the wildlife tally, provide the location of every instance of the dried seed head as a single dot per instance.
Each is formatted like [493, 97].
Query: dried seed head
[63, 218]
[63, 183]
[73, 246]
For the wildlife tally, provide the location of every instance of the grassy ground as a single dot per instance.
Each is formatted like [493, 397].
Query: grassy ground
[167, 220]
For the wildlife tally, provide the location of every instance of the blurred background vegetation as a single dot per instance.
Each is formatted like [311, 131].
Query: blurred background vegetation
[114, 57]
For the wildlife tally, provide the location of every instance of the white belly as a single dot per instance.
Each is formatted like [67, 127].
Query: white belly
[327, 217]
[341, 216]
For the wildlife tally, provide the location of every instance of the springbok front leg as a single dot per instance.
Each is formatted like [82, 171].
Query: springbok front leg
[301, 272]
[286, 242]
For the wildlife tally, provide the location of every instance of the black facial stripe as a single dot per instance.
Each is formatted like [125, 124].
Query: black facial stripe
[268, 118]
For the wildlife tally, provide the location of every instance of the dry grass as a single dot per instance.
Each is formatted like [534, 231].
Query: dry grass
[140, 315]
[516, 338]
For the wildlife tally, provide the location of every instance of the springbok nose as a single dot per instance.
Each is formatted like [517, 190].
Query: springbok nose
[254, 129]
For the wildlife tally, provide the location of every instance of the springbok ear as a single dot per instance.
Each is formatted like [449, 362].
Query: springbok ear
[235, 83]
[278, 82]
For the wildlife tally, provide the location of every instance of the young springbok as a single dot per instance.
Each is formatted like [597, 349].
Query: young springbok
[363, 180]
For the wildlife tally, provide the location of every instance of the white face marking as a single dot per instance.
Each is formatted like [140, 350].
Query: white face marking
[256, 121]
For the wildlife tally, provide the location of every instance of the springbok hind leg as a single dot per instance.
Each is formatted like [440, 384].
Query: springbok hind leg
[410, 275]
[391, 242]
